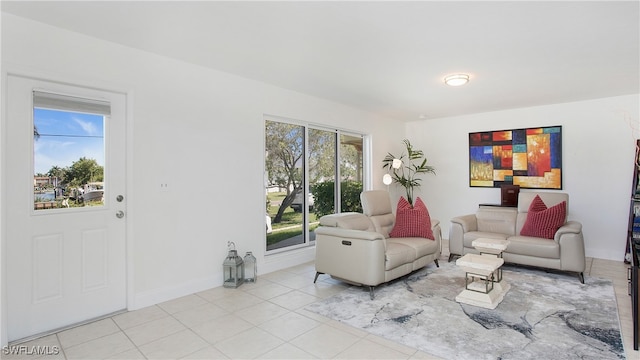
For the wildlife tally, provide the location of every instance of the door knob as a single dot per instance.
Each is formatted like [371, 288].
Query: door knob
[120, 214]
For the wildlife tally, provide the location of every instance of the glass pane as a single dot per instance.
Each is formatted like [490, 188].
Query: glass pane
[284, 181]
[69, 159]
[351, 169]
[322, 176]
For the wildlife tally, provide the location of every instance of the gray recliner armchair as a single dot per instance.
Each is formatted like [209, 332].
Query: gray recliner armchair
[356, 248]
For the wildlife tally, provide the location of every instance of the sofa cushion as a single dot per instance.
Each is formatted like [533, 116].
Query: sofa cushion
[412, 221]
[421, 246]
[543, 222]
[496, 220]
[534, 247]
[398, 254]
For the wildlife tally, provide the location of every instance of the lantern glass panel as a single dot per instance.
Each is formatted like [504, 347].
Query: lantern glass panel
[250, 268]
[233, 270]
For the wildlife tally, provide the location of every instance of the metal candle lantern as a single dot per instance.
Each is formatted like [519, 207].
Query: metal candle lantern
[233, 268]
[250, 268]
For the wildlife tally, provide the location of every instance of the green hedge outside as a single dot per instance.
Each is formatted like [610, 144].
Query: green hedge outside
[323, 194]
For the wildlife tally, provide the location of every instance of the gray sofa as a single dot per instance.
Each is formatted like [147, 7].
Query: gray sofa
[564, 252]
[356, 248]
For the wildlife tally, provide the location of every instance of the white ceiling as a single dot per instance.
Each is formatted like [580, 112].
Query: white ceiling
[385, 57]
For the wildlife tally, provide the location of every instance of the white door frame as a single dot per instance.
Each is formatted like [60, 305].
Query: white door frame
[73, 80]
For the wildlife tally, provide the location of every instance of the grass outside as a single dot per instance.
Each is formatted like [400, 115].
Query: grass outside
[291, 223]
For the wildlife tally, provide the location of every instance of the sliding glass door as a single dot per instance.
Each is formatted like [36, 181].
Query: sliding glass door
[302, 163]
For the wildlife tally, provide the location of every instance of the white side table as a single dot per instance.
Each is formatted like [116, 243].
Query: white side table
[493, 247]
[480, 285]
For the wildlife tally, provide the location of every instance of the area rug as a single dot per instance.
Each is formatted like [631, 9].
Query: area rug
[545, 315]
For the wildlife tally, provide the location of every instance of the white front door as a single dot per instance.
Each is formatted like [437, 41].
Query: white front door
[65, 222]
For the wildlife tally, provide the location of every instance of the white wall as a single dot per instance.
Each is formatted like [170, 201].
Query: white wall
[199, 131]
[598, 145]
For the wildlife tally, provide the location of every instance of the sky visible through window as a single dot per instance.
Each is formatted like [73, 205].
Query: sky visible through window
[65, 137]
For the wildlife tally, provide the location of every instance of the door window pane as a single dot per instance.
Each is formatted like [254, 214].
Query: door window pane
[69, 156]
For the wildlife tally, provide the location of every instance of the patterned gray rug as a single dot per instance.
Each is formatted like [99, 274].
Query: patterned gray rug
[543, 316]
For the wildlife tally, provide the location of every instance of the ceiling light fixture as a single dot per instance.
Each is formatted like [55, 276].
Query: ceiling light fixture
[456, 79]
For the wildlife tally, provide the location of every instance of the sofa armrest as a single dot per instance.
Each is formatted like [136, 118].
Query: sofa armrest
[467, 222]
[570, 227]
[571, 241]
[459, 226]
[437, 234]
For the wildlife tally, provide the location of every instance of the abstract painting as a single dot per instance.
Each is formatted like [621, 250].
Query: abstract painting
[530, 158]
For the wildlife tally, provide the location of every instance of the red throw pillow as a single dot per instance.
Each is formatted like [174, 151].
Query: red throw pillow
[543, 222]
[412, 221]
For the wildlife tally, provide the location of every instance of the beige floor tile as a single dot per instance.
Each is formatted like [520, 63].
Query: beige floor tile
[259, 313]
[100, 348]
[278, 276]
[140, 316]
[325, 341]
[216, 293]
[289, 326]
[238, 301]
[269, 291]
[154, 330]
[347, 328]
[365, 349]
[181, 304]
[313, 316]
[174, 346]
[208, 353]
[297, 281]
[249, 344]
[306, 268]
[133, 354]
[294, 300]
[287, 352]
[200, 314]
[224, 327]
[83, 333]
[323, 290]
[407, 350]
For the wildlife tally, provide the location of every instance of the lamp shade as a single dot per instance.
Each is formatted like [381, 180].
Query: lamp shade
[386, 179]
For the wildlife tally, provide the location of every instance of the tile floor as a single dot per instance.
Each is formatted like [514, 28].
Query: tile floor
[265, 320]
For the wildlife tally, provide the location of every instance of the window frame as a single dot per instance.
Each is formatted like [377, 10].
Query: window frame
[366, 170]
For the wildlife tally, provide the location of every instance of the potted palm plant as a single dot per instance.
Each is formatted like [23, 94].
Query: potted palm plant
[403, 170]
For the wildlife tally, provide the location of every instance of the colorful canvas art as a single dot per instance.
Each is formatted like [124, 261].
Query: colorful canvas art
[530, 158]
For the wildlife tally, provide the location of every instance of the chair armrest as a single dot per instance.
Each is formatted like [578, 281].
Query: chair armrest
[348, 233]
[467, 222]
[355, 256]
[348, 220]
